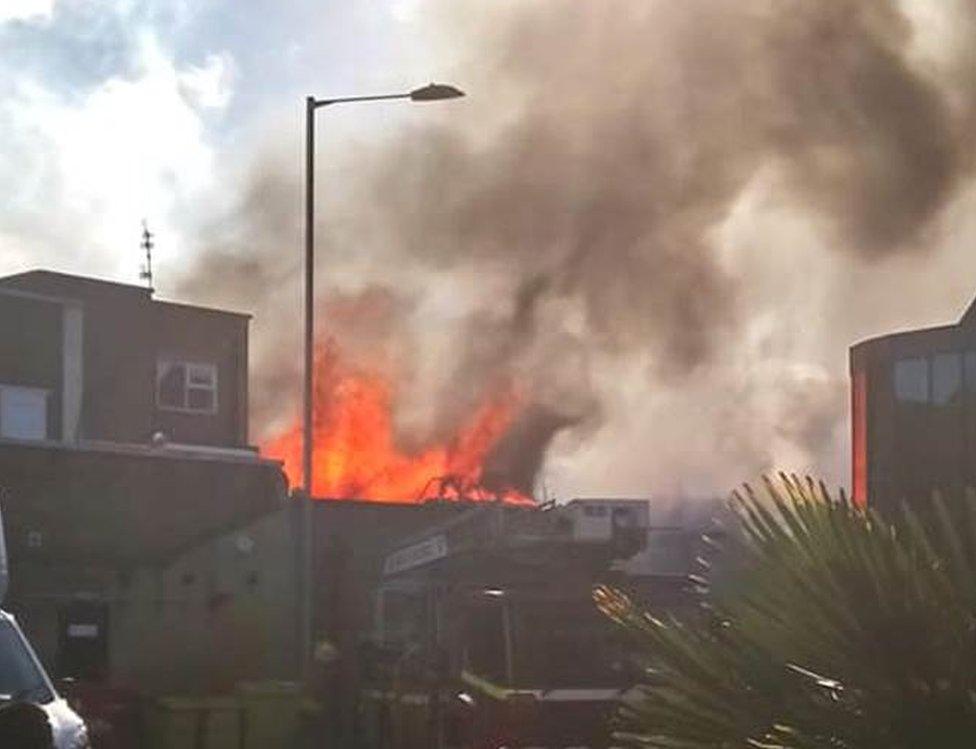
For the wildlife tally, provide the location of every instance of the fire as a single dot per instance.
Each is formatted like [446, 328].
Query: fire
[356, 455]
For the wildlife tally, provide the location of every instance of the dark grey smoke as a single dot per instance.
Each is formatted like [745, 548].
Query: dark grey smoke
[572, 206]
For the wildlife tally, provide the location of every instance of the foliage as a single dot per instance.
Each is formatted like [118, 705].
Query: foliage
[835, 628]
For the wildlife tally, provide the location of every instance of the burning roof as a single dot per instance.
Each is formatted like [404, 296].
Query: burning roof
[357, 455]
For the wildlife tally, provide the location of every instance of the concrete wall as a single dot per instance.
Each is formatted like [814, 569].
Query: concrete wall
[31, 350]
[218, 614]
[222, 613]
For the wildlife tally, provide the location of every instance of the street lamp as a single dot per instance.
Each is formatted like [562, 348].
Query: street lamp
[431, 92]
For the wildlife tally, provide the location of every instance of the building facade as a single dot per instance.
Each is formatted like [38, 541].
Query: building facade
[913, 413]
[83, 359]
[123, 454]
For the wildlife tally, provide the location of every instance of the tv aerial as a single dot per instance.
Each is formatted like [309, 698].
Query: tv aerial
[147, 244]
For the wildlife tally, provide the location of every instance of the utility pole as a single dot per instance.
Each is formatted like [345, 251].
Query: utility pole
[432, 92]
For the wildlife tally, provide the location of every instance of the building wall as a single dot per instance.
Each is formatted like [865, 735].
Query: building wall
[200, 335]
[125, 334]
[221, 613]
[119, 370]
[122, 349]
[31, 350]
[914, 414]
[153, 540]
[186, 556]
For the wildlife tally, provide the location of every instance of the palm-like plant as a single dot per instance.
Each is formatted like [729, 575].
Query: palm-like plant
[834, 628]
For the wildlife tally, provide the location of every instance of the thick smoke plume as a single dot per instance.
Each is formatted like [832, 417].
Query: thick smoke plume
[649, 214]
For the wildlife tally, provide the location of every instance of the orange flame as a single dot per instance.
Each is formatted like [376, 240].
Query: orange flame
[356, 455]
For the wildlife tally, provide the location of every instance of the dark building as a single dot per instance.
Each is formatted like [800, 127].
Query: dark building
[123, 447]
[87, 359]
[913, 413]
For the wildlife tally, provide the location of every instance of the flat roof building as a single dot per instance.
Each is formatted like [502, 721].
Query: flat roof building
[123, 445]
[86, 359]
[913, 413]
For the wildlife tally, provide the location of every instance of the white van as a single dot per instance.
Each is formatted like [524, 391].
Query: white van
[23, 679]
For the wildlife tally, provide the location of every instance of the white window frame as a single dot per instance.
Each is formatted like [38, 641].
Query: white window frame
[162, 366]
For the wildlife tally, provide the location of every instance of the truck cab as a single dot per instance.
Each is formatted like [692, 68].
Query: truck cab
[492, 636]
[23, 678]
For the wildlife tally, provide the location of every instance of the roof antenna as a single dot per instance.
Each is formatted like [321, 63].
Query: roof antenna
[146, 273]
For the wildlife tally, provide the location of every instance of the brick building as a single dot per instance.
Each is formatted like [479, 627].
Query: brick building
[124, 447]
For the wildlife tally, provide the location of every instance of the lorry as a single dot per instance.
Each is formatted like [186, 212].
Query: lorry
[485, 633]
[23, 678]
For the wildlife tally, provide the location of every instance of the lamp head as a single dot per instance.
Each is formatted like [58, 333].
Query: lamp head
[436, 92]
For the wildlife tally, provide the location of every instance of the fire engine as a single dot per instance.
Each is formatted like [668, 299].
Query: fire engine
[485, 633]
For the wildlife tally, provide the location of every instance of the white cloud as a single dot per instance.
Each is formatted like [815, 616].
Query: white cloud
[92, 167]
[26, 10]
[209, 85]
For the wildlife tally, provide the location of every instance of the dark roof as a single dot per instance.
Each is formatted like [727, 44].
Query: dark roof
[84, 288]
[65, 284]
[123, 507]
[195, 308]
[968, 318]
[903, 336]
[921, 336]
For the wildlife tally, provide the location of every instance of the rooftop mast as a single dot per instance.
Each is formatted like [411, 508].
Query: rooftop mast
[146, 273]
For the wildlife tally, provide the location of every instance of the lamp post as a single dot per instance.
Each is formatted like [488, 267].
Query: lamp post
[431, 92]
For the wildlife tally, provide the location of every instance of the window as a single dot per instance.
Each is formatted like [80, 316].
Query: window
[186, 386]
[403, 616]
[23, 413]
[912, 380]
[564, 643]
[970, 367]
[946, 378]
[623, 517]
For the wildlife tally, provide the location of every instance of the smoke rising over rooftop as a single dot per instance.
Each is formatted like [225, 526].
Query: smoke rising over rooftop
[648, 214]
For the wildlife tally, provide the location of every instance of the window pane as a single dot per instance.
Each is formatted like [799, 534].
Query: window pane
[172, 385]
[946, 378]
[19, 676]
[404, 617]
[200, 400]
[23, 413]
[562, 643]
[200, 375]
[971, 371]
[912, 380]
